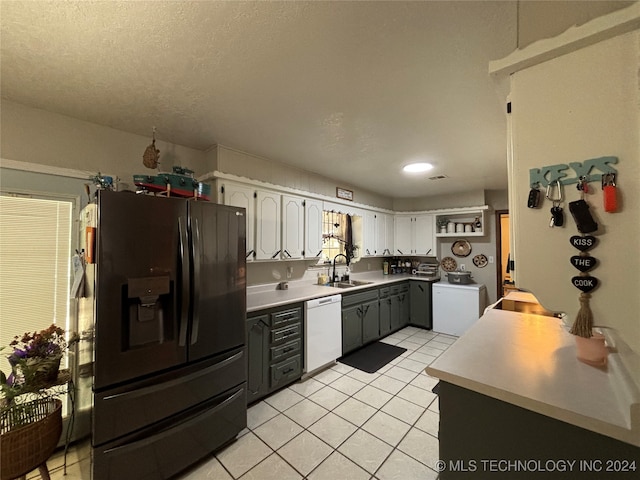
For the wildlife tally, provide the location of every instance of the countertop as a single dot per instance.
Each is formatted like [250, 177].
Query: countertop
[530, 361]
[266, 296]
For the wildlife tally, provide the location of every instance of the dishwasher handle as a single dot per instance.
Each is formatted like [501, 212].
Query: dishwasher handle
[319, 302]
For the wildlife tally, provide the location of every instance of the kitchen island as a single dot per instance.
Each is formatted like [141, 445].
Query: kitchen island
[516, 403]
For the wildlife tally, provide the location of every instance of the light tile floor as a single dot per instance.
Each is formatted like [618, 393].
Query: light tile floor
[341, 423]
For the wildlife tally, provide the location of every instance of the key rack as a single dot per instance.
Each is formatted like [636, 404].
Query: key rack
[550, 174]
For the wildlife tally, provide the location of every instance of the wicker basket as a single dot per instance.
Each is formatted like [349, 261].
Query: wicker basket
[24, 447]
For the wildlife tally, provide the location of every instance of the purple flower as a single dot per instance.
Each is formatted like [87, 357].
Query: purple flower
[16, 356]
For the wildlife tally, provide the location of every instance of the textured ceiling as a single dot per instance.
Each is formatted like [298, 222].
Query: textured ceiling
[350, 90]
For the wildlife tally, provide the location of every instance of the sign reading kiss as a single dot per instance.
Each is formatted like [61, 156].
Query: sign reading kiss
[583, 243]
[586, 284]
[584, 264]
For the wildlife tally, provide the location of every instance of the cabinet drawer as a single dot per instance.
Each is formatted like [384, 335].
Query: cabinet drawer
[286, 350]
[286, 371]
[285, 317]
[284, 333]
[384, 292]
[356, 298]
[398, 289]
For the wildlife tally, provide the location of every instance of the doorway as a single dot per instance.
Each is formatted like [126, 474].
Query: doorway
[504, 280]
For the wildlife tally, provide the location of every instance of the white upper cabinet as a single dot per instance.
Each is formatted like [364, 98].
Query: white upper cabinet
[414, 235]
[292, 227]
[378, 233]
[369, 233]
[403, 235]
[242, 196]
[424, 243]
[312, 228]
[389, 226]
[268, 225]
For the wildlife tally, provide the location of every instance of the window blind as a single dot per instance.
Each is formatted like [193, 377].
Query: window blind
[35, 266]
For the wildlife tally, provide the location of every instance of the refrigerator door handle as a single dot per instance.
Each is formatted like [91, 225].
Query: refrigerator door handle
[185, 294]
[197, 256]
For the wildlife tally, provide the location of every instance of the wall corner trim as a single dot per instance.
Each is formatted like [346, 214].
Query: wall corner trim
[576, 37]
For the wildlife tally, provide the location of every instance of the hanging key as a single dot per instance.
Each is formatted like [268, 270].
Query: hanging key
[557, 216]
[534, 197]
[583, 185]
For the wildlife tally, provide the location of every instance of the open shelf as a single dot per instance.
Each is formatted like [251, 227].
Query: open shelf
[465, 216]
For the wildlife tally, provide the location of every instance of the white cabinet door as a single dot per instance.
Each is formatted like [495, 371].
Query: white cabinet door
[403, 235]
[389, 226]
[292, 227]
[268, 227]
[241, 196]
[423, 235]
[369, 234]
[312, 228]
[380, 233]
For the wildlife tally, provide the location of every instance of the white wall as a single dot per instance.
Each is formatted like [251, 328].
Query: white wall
[463, 199]
[578, 106]
[259, 168]
[36, 136]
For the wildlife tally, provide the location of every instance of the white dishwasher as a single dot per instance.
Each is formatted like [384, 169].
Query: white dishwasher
[323, 332]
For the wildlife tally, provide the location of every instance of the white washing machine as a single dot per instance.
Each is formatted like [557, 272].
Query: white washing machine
[456, 307]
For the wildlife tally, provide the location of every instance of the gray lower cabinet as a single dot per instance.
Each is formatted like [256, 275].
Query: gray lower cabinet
[257, 357]
[274, 350]
[370, 321]
[385, 311]
[399, 305]
[360, 319]
[351, 328]
[405, 304]
[421, 313]
[469, 419]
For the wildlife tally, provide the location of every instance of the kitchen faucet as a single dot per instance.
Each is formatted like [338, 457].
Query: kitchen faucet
[333, 277]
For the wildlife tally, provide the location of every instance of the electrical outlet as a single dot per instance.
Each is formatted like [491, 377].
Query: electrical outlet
[463, 267]
[289, 272]
[490, 258]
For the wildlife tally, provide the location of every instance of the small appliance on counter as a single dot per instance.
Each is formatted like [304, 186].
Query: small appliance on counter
[428, 268]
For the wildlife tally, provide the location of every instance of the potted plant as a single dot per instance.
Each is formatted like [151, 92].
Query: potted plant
[30, 413]
[442, 224]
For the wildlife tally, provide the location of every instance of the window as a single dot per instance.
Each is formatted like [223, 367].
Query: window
[337, 236]
[35, 264]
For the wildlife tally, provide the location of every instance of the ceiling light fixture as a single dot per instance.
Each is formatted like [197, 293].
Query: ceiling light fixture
[417, 167]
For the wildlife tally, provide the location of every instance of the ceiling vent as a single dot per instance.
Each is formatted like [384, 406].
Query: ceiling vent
[438, 177]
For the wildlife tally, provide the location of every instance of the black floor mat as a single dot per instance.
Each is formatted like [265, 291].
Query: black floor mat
[372, 357]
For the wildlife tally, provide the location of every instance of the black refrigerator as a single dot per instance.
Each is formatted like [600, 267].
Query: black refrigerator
[169, 384]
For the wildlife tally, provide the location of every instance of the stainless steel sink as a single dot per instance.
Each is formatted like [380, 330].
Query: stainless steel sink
[349, 284]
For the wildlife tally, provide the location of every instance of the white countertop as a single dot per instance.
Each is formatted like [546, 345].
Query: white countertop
[530, 361]
[266, 296]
